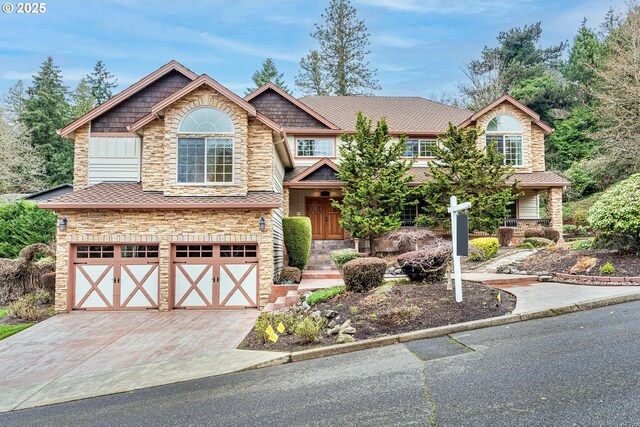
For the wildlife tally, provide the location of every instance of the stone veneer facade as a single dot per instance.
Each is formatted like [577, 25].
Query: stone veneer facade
[163, 227]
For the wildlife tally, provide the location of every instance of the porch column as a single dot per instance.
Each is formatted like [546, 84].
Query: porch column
[286, 201]
[554, 208]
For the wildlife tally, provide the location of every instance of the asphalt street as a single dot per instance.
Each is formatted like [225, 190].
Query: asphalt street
[580, 369]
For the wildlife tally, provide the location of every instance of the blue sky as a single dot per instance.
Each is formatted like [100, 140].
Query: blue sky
[418, 46]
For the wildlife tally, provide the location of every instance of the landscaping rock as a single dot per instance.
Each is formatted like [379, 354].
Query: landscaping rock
[545, 278]
[346, 324]
[350, 330]
[306, 306]
[342, 338]
[584, 264]
[391, 271]
[330, 314]
[332, 324]
[333, 331]
[316, 314]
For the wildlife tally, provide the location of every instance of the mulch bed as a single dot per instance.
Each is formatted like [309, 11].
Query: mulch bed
[404, 308]
[562, 259]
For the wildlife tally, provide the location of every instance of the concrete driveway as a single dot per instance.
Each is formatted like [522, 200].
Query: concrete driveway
[86, 354]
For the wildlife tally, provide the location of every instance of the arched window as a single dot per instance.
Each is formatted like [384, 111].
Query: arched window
[207, 158]
[206, 120]
[506, 133]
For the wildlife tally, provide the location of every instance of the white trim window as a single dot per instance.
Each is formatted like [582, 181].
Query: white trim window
[206, 120]
[419, 147]
[205, 160]
[315, 147]
[506, 133]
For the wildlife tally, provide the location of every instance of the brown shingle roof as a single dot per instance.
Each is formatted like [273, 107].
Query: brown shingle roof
[131, 196]
[533, 179]
[408, 114]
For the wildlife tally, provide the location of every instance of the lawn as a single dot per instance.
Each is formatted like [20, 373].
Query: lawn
[8, 330]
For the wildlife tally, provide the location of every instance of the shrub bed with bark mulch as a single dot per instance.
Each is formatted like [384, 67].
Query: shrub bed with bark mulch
[391, 309]
[561, 260]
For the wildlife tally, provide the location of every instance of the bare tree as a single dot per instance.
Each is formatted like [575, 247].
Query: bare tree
[618, 91]
[21, 168]
[483, 88]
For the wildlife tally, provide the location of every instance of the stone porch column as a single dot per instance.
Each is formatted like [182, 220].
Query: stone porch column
[286, 201]
[554, 208]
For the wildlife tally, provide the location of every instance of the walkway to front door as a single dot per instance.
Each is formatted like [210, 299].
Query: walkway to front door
[324, 219]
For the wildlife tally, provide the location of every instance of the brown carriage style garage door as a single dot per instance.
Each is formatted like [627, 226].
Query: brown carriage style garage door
[115, 277]
[214, 275]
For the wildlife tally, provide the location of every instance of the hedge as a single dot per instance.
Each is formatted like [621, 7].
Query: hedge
[297, 239]
[364, 274]
[23, 224]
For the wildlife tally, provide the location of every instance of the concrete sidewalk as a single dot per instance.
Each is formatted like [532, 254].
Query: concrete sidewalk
[536, 296]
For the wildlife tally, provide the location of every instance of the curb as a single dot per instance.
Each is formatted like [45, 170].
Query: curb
[333, 350]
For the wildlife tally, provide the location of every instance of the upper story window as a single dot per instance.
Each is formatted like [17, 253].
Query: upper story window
[208, 158]
[315, 147]
[506, 132]
[419, 147]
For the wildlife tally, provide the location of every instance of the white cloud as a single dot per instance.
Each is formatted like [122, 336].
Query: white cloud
[392, 40]
[441, 6]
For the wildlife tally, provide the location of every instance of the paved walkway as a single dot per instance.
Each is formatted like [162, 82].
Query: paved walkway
[536, 296]
[84, 354]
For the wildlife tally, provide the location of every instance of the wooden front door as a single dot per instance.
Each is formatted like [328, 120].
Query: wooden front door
[325, 218]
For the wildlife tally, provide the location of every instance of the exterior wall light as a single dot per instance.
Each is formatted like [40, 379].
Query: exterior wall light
[262, 223]
[62, 225]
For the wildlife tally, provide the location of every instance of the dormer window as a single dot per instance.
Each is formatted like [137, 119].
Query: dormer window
[506, 133]
[205, 147]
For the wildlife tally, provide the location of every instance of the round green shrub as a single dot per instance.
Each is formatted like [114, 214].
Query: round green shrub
[616, 214]
[290, 275]
[551, 234]
[343, 256]
[364, 274]
[533, 232]
[426, 265]
[488, 245]
[297, 240]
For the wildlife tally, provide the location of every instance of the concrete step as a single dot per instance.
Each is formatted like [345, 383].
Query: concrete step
[280, 303]
[321, 274]
[269, 308]
[292, 298]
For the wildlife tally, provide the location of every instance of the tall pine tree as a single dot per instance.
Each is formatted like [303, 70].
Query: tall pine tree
[13, 100]
[45, 111]
[81, 100]
[344, 47]
[376, 182]
[268, 73]
[472, 175]
[101, 82]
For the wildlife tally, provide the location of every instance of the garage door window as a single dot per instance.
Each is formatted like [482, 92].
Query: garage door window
[85, 252]
[140, 251]
[194, 251]
[238, 251]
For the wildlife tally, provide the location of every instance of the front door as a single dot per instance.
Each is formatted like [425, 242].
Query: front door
[325, 219]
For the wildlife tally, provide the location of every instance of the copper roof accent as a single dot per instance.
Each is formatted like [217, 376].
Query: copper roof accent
[404, 114]
[128, 195]
[131, 90]
[507, 98]
[294, 101]
[525, 179]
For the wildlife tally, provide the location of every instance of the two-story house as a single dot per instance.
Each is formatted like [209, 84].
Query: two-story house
[180, 185]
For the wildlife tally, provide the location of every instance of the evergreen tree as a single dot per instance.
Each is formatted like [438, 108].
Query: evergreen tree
[312, 79]
[81, 100]
[344, 46]
[13, 100]
[268, 73]
[472, 175]
[101, 82]
[45, 111]
[376, 181]
[585, 57]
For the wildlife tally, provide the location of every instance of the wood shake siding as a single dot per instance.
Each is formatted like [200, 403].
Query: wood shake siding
[137, 106]
[283, 112]
[164, 227]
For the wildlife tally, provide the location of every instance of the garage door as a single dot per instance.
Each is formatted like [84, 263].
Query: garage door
[214, 276]
[115, 277]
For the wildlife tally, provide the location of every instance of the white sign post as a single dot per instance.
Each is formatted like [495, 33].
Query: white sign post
[457, 273]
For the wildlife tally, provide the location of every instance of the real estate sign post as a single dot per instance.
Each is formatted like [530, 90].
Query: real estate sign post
[459, 236]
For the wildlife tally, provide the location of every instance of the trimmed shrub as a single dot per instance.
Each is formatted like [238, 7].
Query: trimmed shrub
[616, 214]
[539, 242]
[608, 268]
[26, 308]
[364, 274]
[343, 256]
[533, 232]
[290, 275]
[324, 294]
[23, 224]
[582, 244]
[569, 228]
[488, 246]
[551, 234]
[427, 265]
[526, 245]
[297, 239]
[581, 217]
[505, 234]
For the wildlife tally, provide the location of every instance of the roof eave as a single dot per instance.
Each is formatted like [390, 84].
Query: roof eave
[164, 206]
